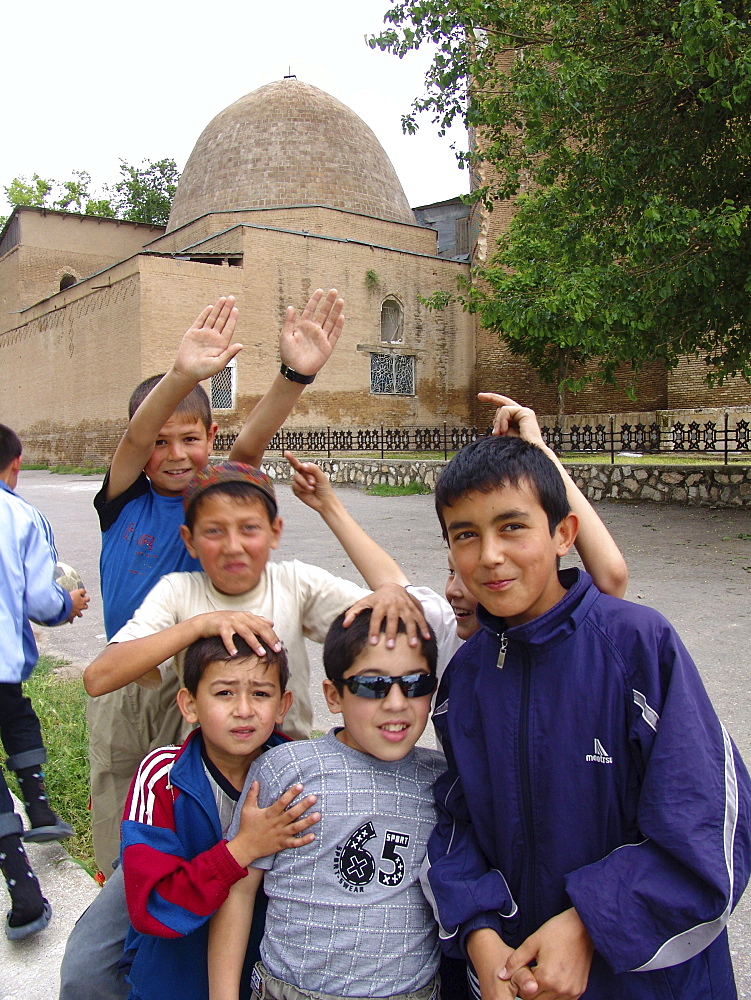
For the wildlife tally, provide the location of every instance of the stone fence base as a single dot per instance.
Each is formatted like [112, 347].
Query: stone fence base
[690, 485]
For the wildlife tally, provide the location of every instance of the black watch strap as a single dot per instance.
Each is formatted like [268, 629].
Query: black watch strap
[294, 376]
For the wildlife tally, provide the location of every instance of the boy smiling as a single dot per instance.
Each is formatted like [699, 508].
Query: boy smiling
[562, 872]
[232, 525]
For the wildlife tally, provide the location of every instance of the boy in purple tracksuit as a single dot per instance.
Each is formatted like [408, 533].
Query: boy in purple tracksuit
[594, 825]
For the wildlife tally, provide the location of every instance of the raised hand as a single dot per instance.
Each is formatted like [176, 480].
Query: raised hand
[305, 345]
[513, 419]
[207, 345]
[310, 483]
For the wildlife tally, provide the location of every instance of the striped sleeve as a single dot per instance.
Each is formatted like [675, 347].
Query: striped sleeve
[168, 893]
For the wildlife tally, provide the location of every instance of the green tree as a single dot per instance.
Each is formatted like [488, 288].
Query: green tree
[630, 125]
[22, 192]
[74, 196]
[144, 194]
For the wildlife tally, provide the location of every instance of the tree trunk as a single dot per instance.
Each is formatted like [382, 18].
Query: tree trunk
[560, 390]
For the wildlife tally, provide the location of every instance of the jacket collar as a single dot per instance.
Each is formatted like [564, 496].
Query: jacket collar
[557, 623]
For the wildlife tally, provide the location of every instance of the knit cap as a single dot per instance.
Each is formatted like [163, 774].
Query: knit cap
[227, 472]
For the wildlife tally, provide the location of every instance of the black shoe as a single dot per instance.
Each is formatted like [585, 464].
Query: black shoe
[59, 830]
[17, 933]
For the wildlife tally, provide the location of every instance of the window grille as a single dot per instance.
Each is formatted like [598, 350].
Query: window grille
[392, 322]
[392, 373]
[223, 388]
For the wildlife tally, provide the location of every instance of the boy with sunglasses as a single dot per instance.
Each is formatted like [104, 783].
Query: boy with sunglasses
[346, 915]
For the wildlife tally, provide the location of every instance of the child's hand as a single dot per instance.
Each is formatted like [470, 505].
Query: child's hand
[310, 483]
[266, 831]
[513, 420]
[488, 954]
[306, 346]
[562, 949]
[206, 347]
[256, 630]
[79, 605]
[392, 602]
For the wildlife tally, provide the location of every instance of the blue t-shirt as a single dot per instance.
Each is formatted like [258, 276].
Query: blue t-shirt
[140, 543]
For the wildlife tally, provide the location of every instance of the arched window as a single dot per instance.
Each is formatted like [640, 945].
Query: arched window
[392, 322]
[66, 281]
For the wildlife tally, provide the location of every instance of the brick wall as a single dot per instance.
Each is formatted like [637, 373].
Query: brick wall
[53, 244]
[333, 222]
[75, 358]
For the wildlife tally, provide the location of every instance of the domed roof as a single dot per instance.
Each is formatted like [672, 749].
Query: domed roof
[288, 143]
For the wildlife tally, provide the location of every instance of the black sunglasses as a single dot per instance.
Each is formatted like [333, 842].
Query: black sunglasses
[412, 685]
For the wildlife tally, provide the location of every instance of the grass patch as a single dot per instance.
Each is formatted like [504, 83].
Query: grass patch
[60, 704]
[409, 489]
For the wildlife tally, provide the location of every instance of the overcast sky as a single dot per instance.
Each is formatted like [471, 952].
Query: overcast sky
[87, 83]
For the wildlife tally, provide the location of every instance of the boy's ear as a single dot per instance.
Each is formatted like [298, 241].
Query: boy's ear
[276, 531]
[565, 533]
[332, 696]
[186, 704]
[211, 434]
[187, 537]
[284, 706]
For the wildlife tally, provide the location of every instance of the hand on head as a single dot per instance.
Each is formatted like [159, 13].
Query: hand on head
[257, 631]
[391, 603]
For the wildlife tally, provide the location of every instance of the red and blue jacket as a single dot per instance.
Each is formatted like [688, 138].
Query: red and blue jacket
[587, 768]
[177, 872]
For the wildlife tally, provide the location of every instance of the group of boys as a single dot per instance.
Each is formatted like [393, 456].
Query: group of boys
[591, 827]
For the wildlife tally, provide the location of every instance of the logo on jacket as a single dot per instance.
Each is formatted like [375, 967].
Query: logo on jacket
[600, 756]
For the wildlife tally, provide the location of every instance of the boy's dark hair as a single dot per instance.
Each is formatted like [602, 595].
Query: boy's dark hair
[202, 652]
[494, 462]
[343, 645]
[10, 446]
[196, 404]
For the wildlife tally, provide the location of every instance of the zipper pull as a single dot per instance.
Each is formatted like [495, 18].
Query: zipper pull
[502, 651]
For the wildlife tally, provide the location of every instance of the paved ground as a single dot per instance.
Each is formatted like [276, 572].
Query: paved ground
[693, 564]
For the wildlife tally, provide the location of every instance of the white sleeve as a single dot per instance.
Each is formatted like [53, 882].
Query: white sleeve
[324, 596]
[155, 613]
[441, 619]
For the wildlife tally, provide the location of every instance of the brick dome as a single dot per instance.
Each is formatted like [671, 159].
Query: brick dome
[288, 143]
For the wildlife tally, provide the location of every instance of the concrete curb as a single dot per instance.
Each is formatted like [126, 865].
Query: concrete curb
[31, 967]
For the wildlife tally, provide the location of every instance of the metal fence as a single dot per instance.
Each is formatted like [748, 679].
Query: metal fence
[709, 437]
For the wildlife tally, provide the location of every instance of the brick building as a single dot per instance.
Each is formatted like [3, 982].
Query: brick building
[286, 190]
